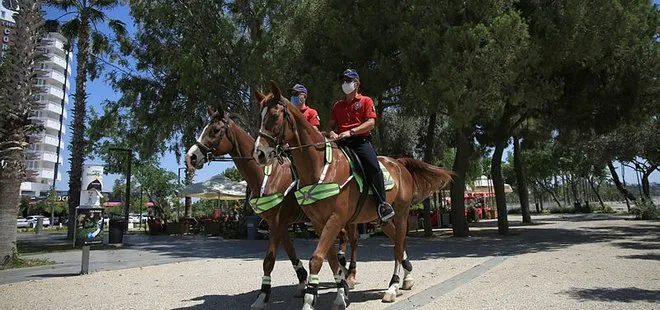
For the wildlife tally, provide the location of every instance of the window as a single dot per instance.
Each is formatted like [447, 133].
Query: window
[3, 14]
[31, 164]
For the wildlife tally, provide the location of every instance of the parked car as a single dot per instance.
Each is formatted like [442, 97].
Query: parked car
[32, 220]
[22, 223]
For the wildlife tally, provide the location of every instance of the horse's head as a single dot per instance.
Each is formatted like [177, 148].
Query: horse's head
[213, 141]
[277, 125]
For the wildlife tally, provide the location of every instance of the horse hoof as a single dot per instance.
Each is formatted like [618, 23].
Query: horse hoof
[260, 303]
[339, 304]
[389, 297]
[300, 290]
[407, 284]
[308, 302]
[351, 283]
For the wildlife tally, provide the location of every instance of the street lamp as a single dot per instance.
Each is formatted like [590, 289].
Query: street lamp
[128, 183]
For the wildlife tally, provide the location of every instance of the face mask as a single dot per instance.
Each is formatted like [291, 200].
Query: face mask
[295, 100]
[348, 87]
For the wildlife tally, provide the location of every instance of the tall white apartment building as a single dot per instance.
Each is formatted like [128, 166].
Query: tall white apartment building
[44, 145]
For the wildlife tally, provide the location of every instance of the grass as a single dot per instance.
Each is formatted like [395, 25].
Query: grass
[20, 262]
[45, 231]
[31, 248]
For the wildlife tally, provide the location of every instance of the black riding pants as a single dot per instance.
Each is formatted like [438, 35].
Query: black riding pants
[367, 155]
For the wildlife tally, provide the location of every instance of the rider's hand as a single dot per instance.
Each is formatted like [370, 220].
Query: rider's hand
[344, 135]
[332, 135]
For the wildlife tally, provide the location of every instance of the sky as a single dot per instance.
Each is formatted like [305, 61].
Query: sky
[100, 91]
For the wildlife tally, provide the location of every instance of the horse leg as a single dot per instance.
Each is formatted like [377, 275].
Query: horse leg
[351, 273]
[325, 244]
[390, 231]
[301, 273]
[269, 262]
[399, 253]
[343, 246]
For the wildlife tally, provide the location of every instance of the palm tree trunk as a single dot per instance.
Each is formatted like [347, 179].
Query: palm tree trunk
[78, 126]
[523, 193]
[16, 98]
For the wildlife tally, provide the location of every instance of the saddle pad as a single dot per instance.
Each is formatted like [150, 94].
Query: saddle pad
[389, 181]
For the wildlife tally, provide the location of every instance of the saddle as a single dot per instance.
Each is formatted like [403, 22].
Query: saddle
[365, 187]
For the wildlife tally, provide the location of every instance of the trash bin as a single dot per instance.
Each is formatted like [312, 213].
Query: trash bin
[116, 230]
[252, 223]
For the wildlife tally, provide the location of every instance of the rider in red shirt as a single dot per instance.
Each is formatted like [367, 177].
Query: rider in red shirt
[299, 99]
[353, 118]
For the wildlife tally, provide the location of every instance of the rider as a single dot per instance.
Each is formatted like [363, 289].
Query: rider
[353, 117]
[299, 99]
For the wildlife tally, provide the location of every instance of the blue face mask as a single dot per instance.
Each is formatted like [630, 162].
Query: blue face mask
[295, 100]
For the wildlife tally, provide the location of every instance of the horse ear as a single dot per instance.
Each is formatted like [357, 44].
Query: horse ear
[212, 111]
[257, 94]
[277, 93]
[220, 107]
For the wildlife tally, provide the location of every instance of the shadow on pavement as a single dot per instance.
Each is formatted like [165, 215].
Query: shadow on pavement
[523, 238]
[649, 256]
[630, 294]
[281, 298]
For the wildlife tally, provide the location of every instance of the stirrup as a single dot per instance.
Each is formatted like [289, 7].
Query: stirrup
[385, 217]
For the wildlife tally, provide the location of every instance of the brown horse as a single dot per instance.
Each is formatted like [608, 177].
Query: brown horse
[222, 136]
[414, 181]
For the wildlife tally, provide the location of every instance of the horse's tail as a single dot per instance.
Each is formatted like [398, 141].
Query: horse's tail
[427, 178]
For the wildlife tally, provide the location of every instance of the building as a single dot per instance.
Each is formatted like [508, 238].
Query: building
[44, 145]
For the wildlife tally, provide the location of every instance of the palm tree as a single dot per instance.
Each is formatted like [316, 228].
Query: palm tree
[18, 75]
[91, 42]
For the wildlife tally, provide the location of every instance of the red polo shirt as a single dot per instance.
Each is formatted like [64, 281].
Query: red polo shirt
[311, 115]
[349, 115]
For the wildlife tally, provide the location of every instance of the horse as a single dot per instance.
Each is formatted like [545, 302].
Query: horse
[414, 181]
[222, 136]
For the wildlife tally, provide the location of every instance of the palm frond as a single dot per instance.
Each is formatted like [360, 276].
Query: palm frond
[100, 43]
[94, 14]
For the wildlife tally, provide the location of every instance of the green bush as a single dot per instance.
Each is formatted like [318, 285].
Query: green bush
[600, 209]
[562, 209]
[515, 211]
[646, 210]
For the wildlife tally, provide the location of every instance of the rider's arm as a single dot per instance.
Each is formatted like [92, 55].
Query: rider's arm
[365, 127]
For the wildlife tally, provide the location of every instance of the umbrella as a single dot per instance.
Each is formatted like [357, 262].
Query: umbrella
[217, 187]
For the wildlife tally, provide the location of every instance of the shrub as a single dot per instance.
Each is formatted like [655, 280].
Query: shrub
[562, 209]
[646, 210]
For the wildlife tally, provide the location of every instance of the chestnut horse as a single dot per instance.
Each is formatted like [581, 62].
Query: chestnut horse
[415, 180]
[222, 136]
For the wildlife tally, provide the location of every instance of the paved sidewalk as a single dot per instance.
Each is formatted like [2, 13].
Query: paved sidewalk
[566, 262]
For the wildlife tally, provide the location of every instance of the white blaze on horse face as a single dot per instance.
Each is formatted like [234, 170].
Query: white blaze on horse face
[199, 139]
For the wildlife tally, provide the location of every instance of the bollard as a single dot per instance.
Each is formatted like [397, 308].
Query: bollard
[40, 226]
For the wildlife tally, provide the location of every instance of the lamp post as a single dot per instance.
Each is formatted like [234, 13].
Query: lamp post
[178, 208]
[128, 183]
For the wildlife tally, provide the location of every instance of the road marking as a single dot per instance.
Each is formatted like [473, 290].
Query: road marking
[432, 293]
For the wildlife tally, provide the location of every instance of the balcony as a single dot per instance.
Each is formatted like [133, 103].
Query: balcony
[52, 106]
[57, 60]
[54, 91]
[47, 139]
[50, 123]
[45, 173]
[54, 75]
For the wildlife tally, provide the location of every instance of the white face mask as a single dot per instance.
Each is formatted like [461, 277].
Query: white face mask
[348, 87]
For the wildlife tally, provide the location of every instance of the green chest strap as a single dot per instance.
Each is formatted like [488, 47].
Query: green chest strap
[319, 191]
[266, 202]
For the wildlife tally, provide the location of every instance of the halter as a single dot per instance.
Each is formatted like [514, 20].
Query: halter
[225, 132]
[279, 141]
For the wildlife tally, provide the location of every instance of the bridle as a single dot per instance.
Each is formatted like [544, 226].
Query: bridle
[279, 140]
[209, 151]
